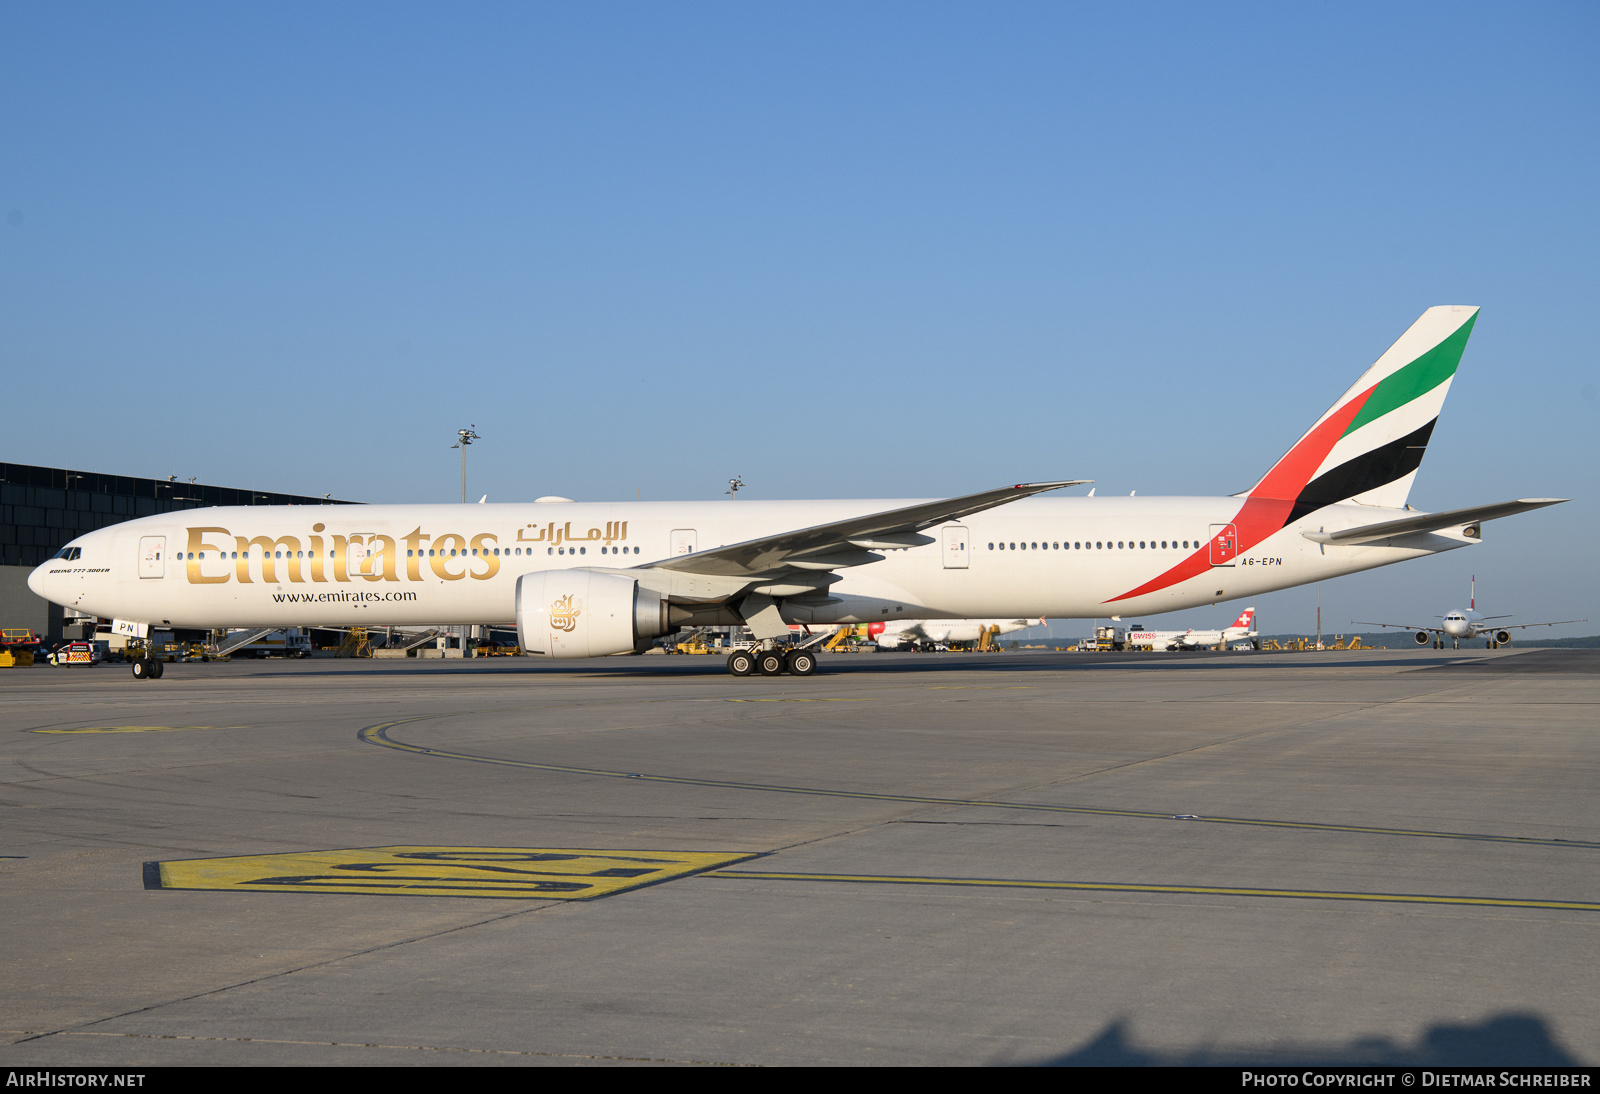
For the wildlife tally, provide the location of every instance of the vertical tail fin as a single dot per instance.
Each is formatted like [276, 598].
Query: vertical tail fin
[1368, 445]
[1244, 620]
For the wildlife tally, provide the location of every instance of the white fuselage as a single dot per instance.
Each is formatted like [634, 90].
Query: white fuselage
[1464, 624]
[1196, 639]
[941, 632]
[426, 564]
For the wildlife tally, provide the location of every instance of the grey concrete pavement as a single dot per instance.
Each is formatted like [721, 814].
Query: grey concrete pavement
[912, 814]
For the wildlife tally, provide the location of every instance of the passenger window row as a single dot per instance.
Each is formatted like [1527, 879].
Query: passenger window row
[1098, 545]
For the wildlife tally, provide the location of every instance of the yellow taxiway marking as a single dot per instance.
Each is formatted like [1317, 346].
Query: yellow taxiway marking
[550, 873]
[379, 735]
[1197, 890]
[133, 729]
[780, 700]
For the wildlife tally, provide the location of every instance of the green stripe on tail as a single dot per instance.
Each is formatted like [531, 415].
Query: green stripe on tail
[1418, 378]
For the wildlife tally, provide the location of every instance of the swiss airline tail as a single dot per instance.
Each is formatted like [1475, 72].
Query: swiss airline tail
[1368, 445]
[1244, 620]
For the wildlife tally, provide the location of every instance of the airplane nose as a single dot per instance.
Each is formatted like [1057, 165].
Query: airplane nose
[37, 581]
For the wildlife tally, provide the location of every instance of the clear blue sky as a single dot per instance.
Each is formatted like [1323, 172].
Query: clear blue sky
[859, 250]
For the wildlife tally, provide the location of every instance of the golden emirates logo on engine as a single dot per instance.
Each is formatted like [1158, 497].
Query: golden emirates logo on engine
[563, 616]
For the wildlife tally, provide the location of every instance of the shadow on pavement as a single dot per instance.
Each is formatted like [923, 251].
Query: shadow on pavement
[1505, 1040]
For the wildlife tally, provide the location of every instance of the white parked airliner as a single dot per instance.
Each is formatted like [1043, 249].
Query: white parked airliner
[927, 633]
[1241, 630]
[590, 579]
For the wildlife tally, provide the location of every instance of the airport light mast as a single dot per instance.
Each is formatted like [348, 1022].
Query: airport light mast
[467, 435]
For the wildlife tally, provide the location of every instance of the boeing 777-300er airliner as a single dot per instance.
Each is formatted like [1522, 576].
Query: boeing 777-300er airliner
[590, 579]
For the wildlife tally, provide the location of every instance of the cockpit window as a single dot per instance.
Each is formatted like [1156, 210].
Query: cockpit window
[67, 554]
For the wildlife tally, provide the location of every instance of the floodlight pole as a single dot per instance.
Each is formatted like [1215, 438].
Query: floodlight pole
[467, 436]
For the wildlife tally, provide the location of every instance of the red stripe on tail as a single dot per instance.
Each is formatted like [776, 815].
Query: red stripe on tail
[1267, 508]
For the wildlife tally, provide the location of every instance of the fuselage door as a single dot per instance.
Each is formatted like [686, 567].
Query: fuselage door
[359, 557]
[682, 541]
[151, 552]
[1224, 544]
[955, 540]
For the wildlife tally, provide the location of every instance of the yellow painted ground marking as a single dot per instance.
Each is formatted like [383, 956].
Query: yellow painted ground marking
[1197, 890]
[981, 687]
[802, 700]
[133, 729]
[552, 873]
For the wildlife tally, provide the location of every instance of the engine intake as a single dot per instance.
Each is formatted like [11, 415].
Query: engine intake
[584, 613]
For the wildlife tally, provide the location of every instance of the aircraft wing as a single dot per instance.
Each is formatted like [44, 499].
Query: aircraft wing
[1429, 522]
[848, 542]
[1400, 626]
[1520, 626]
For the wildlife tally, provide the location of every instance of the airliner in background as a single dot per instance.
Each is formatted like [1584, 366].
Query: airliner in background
[923, 633]
[1467, 623]
[1242, 629]
[590, 579]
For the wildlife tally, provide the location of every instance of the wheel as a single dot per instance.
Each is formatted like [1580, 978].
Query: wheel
[770, 663]
[156, 669]
[800, 662]
[141, 669]
[740, 663]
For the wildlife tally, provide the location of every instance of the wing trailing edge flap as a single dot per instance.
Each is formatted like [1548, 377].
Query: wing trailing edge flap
[842, 543]
[1466, 519]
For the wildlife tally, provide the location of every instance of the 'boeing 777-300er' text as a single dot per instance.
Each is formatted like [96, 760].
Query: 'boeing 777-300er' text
[590, 579]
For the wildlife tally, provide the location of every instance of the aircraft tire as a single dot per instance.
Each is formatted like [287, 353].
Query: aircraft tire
[157, 667]
[800, 662]
[740, 663]
[141, 669]
[770, 663]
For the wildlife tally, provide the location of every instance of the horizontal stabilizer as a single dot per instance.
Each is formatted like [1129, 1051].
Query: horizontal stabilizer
[1429, 522]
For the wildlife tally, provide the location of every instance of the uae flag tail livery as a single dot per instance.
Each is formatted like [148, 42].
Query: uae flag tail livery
[1365, 449]
[1368, 445]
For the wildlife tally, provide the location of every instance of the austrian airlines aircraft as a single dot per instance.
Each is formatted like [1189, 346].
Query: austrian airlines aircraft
[1459, 624]
[586, 580]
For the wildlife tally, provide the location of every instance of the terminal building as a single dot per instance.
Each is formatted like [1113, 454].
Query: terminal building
[44, 508]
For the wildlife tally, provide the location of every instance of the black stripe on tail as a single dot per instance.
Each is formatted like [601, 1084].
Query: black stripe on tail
[1368, 471]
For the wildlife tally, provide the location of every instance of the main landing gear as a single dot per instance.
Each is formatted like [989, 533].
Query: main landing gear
[147, 668]
[772, 662]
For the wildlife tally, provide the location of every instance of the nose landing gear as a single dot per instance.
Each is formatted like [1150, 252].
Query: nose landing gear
[147, 668]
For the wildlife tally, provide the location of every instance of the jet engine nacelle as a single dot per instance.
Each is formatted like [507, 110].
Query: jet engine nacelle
[582, 613]
[1423, 638]
[1502, 637]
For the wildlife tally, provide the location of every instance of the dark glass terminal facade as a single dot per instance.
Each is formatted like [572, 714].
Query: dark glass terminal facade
[42, 508]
